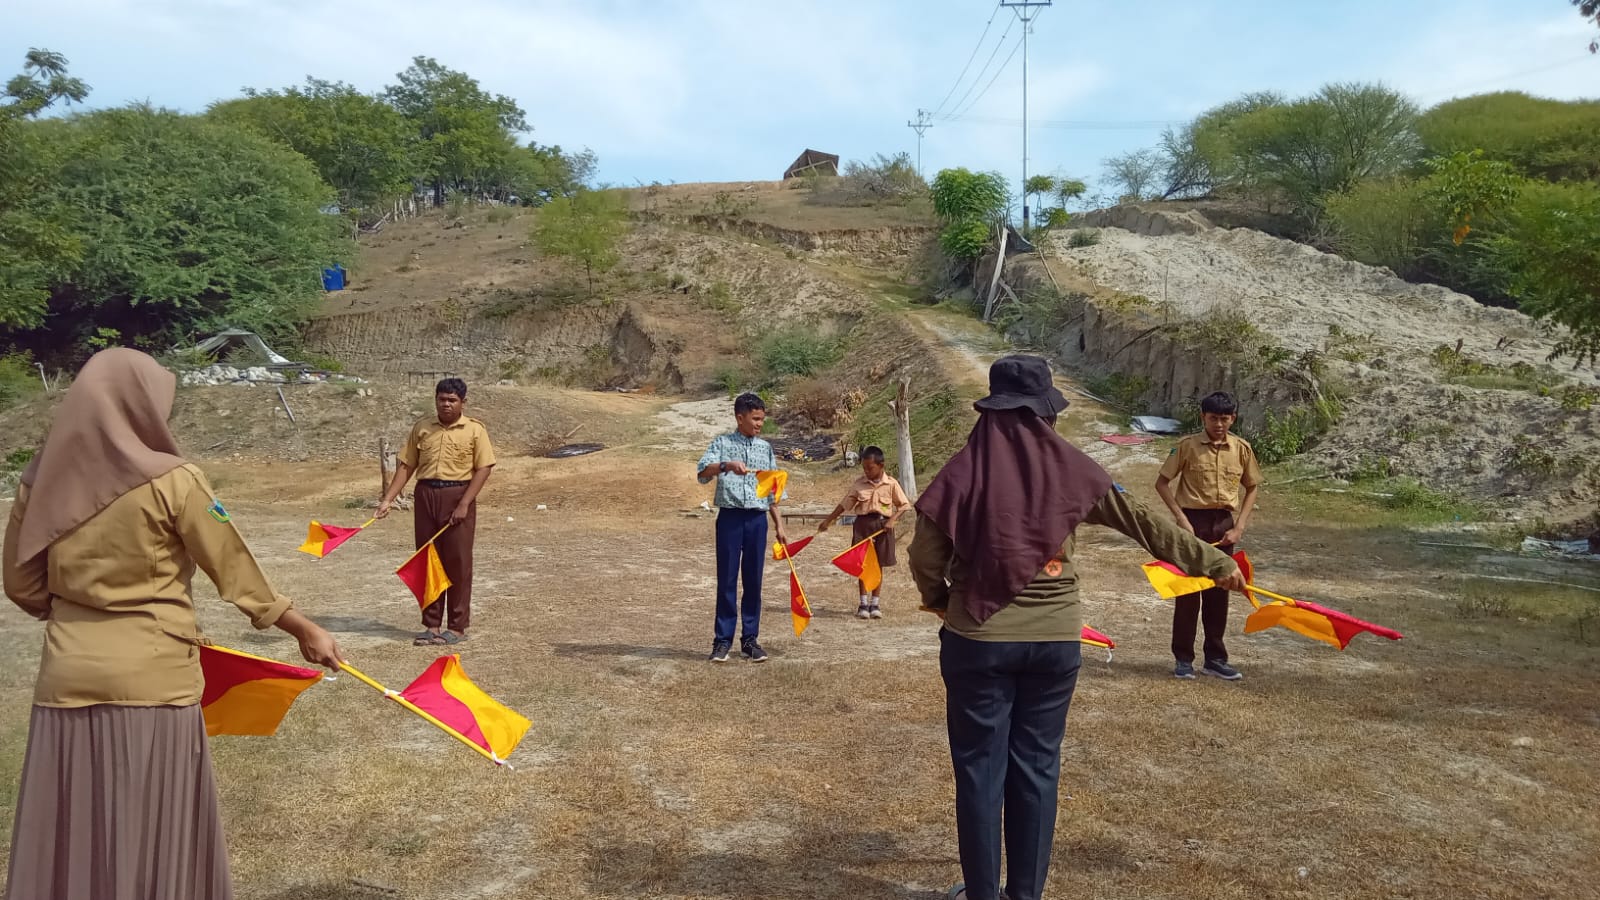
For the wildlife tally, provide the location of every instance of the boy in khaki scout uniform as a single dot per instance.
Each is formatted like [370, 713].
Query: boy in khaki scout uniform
[1209, 468]
[877, 501]
[451, 456]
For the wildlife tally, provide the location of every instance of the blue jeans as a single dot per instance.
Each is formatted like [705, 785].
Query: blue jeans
[1006, 710]
[741, 547]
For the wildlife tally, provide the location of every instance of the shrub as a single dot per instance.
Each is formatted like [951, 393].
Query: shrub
[796, 352]
[1084, 237]
[823, 404]
[19, 380]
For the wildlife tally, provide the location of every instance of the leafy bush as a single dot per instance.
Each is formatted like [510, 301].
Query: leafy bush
[796, 352]
[1556, 140]
[1552, 252]
[968, 204]
[1084, 237]
[886, 179]
[19, 380]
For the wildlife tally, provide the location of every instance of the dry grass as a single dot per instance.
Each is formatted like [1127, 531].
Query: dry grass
[1391, 770]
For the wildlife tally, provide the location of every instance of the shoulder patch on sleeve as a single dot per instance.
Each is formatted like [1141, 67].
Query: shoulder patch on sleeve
[1120, 489]
[1173, 452]
[218, 513]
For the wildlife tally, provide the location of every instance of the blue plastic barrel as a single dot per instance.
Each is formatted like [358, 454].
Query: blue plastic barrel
[333, 279]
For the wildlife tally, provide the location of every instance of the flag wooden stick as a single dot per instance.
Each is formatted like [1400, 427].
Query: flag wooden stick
[395, 696]
[862, 541]
[435, 535]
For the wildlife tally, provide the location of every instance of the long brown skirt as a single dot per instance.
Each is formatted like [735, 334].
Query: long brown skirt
[118, 803]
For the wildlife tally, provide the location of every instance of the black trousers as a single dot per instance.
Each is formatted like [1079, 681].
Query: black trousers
[1210, 606]
[1006, 711]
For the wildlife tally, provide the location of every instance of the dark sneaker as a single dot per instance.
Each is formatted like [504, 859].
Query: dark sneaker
[719, 650]
[1183, 670]
[1220, 670]
[752, 651]
[874, 611]
[864, 612]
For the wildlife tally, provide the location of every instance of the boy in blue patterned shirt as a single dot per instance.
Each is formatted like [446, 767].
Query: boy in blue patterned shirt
[733, 461]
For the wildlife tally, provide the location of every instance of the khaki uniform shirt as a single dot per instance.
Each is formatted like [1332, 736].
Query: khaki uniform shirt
[884, 497]
[114, 594]
[1048, 608]
[437, 452]
[1207, 475]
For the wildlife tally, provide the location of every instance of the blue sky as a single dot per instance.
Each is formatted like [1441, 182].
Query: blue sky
[693, 90]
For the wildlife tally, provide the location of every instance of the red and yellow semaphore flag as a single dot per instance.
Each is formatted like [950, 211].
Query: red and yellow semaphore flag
[861, 561]
[247, 694]
[1172, 582]
[324, 539]
[424, 574]
[771, 482]
[1095, 639]
[799, 606]
[782, 551]
[446, 693]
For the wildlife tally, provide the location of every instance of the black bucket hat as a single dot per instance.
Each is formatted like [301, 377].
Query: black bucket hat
[1022, 382]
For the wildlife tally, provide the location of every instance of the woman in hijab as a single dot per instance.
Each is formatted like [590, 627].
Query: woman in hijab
[993, 556]
[117, 800]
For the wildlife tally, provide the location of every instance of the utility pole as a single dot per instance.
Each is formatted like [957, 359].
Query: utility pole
[1027, 11]
[920, 126]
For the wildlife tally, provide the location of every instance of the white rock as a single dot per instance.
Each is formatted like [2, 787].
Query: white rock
[1302, 872]
[1523, 742]
[509, 519]
[541, 508]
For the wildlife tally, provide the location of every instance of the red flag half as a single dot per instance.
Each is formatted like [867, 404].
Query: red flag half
[1317, 622]
[248, 694]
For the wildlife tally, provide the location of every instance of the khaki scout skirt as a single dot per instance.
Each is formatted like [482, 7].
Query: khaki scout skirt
[118, 803]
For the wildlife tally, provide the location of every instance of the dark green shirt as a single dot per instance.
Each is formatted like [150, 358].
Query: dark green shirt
[1048, 608]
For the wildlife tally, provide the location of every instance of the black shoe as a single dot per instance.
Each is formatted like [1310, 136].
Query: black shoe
[1220, 670]
[1183, 670]
[752, 651]
[719, 650]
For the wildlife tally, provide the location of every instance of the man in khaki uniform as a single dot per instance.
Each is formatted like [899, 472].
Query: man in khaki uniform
[1209, 468]
[451, 456]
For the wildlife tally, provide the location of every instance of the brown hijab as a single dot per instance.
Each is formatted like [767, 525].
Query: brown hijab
[1008, 500]
[109, 436]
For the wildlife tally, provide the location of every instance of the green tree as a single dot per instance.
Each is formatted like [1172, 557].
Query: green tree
[1038, 186]
[363, 147]
[1132, 175]
[34, 242]
[1325, 143]
[468, 135]
[1556, 140]
[186, 223]
[585, 229]
[1590, 9]
[1554, 260]
[968, 204]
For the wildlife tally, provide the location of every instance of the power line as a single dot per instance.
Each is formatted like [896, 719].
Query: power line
[1509, 76]
[1067, 124]
[987, 63]
[974, 55]
[998, 72]
[1023, 9]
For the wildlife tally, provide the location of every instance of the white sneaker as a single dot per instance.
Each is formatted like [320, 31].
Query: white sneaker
[874, 611]
[863, 612]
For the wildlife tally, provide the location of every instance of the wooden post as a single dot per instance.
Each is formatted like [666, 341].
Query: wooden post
[388, 463]
[902, 421]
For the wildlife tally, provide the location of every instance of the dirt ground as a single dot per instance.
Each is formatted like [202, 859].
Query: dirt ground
[1458, 760]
